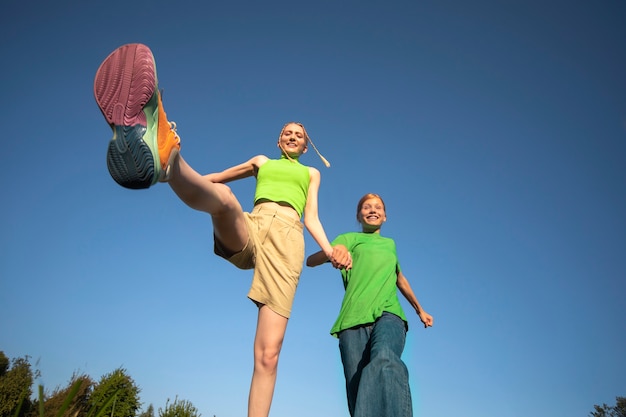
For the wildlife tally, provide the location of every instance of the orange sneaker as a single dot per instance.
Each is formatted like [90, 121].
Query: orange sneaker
[144, 143]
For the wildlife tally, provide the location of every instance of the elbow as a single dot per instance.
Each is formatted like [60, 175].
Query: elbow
[306, 220]
[309, 219]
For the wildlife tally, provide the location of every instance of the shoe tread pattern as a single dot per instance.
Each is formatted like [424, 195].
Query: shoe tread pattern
[124, 85]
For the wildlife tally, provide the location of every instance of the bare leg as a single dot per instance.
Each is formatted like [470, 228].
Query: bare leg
[230, 227]
[217, 199]
[268, 341]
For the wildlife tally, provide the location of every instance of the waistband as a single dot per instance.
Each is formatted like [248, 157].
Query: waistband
[286, 214]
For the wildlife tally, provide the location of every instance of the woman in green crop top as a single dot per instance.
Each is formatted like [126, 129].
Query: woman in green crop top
[371, 326]
[145, 149]
[269, 239]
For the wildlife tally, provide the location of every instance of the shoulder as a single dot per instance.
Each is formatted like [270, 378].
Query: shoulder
[391, 244]
[314, 173]
[389, 239]
[259, 160]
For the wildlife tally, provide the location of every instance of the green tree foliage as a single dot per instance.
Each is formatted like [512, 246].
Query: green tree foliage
[115, 395]
[124, 391]
[149, 412]
[182, 408]
[72, 400]
[16, 383]
[4, 364]
[618, 410]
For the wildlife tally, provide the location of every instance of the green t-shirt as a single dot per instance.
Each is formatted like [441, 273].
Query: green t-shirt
[283, 181]
[371, 283]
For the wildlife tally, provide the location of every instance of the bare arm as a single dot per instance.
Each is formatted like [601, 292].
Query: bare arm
[316, 259]
[314, 225]
[340, 254]
[311, 216]
[407, 292]
[237, 172]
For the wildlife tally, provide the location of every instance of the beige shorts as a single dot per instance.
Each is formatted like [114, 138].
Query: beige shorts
[275, 250]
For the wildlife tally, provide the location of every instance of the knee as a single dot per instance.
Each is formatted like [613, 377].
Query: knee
[226, 201]
[267, 359]
[387, 361]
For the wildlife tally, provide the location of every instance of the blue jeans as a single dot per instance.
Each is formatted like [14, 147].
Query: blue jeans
[377, 381]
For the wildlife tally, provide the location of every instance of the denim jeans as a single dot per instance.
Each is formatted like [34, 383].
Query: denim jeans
[377, 381]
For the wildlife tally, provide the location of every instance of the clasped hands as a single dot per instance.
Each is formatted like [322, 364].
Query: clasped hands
[341, 258]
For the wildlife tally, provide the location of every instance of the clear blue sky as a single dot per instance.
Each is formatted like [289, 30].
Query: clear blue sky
[495, 132]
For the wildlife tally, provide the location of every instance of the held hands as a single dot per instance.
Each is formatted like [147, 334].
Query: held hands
[426, 318]
[341, 258]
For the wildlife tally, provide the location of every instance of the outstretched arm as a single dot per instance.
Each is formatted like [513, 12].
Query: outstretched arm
[407, 292]
[340, 254]
[237, 172]
[314, 226]
[316, 259]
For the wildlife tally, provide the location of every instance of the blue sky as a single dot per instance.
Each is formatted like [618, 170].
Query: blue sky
[495, 132]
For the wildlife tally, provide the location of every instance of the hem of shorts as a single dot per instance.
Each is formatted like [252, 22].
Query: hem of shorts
[260, 301]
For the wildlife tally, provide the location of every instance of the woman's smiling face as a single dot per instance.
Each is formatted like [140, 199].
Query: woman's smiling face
[372, 214]
[293, 140]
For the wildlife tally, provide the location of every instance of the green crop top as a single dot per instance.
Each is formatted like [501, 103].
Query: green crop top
[283, 181]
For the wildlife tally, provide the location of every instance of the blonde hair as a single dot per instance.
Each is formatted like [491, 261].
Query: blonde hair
[306, 137]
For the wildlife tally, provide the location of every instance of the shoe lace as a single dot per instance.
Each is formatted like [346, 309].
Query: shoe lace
[173, 129]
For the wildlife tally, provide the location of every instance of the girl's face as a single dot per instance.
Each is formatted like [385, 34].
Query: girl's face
[372, 215]
[292, 140]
